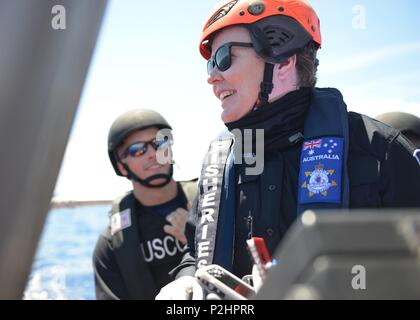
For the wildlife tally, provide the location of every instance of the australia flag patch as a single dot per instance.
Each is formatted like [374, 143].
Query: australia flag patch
[320, 170]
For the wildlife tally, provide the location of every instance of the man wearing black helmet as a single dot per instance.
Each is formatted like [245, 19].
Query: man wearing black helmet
[407, 123]
[262, 63]
[146, 235]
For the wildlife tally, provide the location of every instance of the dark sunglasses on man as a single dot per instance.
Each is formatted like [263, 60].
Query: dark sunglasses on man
[222, 59]
[139, 148]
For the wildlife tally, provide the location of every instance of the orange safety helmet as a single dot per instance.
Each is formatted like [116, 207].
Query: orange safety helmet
[278, 28]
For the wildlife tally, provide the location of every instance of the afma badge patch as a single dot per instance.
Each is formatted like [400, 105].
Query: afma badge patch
[320, 171]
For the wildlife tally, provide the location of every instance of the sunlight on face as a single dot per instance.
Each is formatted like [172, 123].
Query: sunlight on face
[145, 165]
[238, 87]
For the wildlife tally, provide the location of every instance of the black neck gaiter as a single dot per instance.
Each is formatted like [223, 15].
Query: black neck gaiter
[282, 120]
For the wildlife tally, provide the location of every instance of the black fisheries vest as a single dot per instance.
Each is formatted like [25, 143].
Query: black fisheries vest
[323, 178]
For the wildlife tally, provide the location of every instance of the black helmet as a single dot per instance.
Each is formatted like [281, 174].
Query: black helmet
[405, 122]
[128, 122]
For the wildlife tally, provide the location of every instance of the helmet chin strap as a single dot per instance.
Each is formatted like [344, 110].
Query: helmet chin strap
[146, 182]
[266, 85]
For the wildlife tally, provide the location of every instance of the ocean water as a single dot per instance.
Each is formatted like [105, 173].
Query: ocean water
[62, 268]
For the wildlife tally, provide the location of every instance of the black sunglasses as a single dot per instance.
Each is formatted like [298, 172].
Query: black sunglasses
[139, 148]
[222, 58]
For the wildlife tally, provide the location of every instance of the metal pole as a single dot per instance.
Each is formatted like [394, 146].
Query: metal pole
[42, 72]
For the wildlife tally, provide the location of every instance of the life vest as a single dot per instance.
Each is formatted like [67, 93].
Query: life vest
[125, 242]
[323, 178]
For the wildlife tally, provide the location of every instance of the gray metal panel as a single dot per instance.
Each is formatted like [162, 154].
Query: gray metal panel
[345, 239]
[42, 72]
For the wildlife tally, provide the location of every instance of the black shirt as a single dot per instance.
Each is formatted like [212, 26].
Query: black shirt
[161, 251]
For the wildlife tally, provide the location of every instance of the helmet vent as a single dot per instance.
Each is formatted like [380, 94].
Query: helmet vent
[278, 37]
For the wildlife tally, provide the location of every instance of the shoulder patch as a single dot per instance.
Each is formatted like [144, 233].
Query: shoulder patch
[320, 170]
[120, 221]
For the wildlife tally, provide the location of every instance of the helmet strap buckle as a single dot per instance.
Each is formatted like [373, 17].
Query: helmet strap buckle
[267, 84]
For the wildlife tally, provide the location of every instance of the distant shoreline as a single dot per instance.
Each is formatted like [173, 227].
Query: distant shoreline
[57, 204]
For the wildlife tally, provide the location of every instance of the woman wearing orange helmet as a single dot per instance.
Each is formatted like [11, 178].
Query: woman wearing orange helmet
[277, 31]
[261, 61]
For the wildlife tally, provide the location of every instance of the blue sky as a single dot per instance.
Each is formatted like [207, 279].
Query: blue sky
[147, 57]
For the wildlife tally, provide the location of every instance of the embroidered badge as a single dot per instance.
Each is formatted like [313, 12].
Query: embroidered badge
[120, 221]
[320, 171]
[319, 181]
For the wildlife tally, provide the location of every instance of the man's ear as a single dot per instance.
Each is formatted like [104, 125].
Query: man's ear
[122, 169]
[284, 70]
